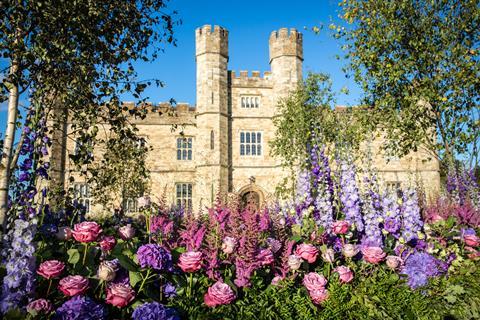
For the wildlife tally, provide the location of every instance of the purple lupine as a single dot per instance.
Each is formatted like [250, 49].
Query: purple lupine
[372, 213]
[391, 214]
[350, 196]
[412, 220]
[323, 184]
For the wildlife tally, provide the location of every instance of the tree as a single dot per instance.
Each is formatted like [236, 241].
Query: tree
[76, 58]
[307, 117]
[418, 63]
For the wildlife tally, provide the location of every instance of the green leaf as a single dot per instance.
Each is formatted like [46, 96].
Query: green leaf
[135, 277]
[126, 262]
[73, 256]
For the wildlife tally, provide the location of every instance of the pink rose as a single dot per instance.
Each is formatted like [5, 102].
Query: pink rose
[340, 227]
[126, 232]
[373, 254]
[190, 261]
[107, 243]
[307, 251]
[276, 280]
[471, 240]
[294, 262]
[40, 306]
[314, 281]
[219, 293]
[265, 257]
[73, 285]
[87, 231]
[318, 296]
[120, 295]
[328, 255]
[346, 275]
[64, 233]
[350, 250]
[393, 262]
[229, 244]
[51, 269]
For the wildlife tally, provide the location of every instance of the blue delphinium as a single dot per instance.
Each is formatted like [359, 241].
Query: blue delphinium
[154, 311]
[392, 221]
[372, 214]
[323, 186]
[80, 308]
[411, 217]
[350, 195]
[420, 267]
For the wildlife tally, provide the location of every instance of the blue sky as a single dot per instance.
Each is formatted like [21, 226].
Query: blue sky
[249, 24]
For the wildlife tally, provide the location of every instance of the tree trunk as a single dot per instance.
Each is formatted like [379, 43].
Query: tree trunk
[8, 144]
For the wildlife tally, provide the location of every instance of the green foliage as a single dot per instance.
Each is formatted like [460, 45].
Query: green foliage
[417, 62]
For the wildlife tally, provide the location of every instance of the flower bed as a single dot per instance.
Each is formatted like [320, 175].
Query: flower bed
[336, 252]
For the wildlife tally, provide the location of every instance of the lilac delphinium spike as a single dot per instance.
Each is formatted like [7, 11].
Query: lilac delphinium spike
[391, 214]
[372, 214]
[472, 188]
[323, 183]
[412, 220]
[350, 196]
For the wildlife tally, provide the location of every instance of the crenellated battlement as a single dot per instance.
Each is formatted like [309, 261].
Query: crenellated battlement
[211, 41]
[285, 42]
[254, 79]
[163, 108]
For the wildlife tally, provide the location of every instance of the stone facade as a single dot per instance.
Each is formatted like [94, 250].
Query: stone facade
[229, 105]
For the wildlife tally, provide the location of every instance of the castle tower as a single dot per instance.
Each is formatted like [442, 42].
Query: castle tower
[286, 58]
[211, 143]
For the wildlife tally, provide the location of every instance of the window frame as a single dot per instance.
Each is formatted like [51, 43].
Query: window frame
[83, 197]
[186, 198]
[247, 146]
[181, 150]
[246, 101]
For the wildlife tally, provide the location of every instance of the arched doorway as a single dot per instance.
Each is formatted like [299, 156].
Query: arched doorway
[251, 201]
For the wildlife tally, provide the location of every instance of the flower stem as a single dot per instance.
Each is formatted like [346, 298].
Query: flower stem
[85, 253]
[190, 282]
[49, 287]
[144, 279]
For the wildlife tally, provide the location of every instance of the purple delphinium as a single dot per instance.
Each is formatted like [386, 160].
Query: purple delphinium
[372, 214]
[80, 308]
[304, 187]
[350, 196]
[154, 311]
[154, 256]
[391, 214]
[323, 184]
[420, 267]
[412, 220]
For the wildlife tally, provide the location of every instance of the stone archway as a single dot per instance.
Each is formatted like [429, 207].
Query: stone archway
[251, 197]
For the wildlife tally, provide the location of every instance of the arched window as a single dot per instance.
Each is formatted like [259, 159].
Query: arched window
[212, 140]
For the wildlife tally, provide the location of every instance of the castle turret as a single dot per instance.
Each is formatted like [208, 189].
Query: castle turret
[286, 58]
[212, 119]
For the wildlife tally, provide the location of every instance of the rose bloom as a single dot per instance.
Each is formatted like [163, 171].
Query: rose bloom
[126, 232]
[346, 275]
[393, 262]
[143, 202]
[294, 262]
[276, 280]
[120, 295]
[265, 257]
[350, 250]
[373, 254]
[73, 285]
[64, 233]
[328, 255]
[229, 244]
[314, 281]
[471, 240]
[40, 306]
[318, 296]
[307, 251]
[51, 269]
[340, 227]
[107, 243]
[219, 293]
[87, 231]
[107, 271]
[190, 261]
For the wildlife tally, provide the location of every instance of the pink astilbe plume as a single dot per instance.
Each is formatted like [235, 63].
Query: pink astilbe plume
[442, 209]
[217, 221]
[265, 221]
[192, 234]
[287, 251]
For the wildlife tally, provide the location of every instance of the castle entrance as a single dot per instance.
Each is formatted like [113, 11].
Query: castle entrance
[251, 201]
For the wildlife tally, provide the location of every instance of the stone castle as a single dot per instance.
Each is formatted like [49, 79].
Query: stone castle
[224, 145]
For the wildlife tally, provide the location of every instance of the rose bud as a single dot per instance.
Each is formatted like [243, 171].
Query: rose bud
[328, 255]
[346, 275]
[126, 232]
[228, 245]
[107, 243]
[190, 261]
[107, 271]
[120, 295]
[350, 250]
[64, 233]
[87, 231]
[471, 240]
[73, 285]
[393, 262]
[51, 269]
[340, 227]
[307, 251]
[40, 306]
[294, 262]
